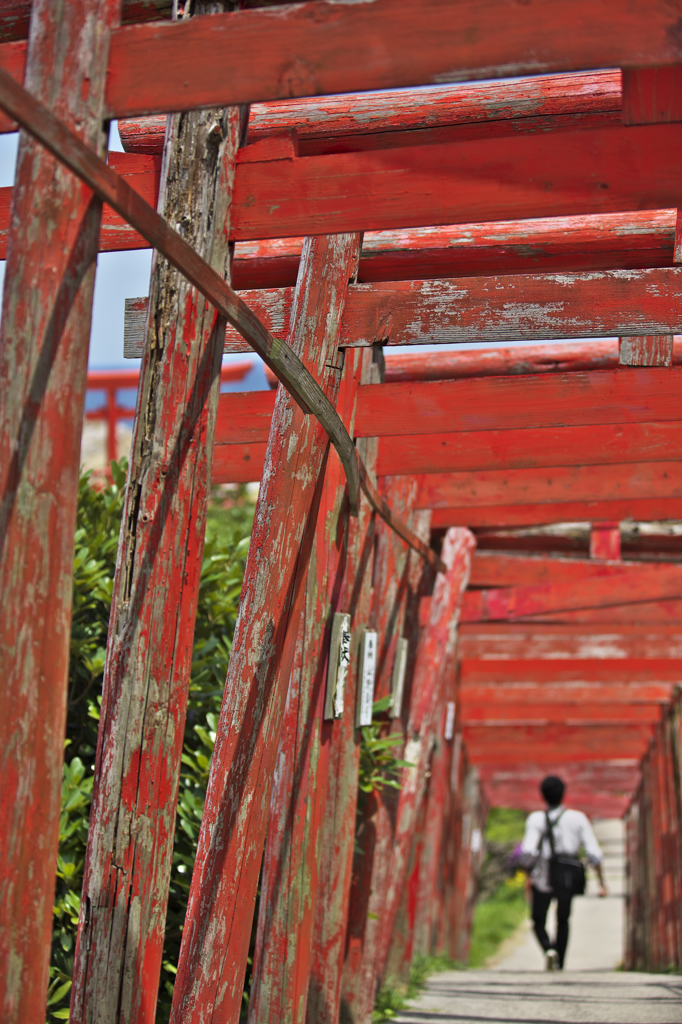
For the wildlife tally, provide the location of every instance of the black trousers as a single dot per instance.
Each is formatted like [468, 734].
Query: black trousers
[541, 902]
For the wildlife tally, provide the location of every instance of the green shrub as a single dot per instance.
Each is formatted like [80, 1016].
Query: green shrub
[497, 918]
[96, 543]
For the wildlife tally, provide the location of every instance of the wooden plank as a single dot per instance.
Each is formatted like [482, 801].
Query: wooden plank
[651, 95]
[653, 612]
[496, 696]
[639, 509]
[609, 669]
[289, 881]
[505, 450]
[47, 303]
[605, 541]
[557, 642]
[619, 482]
[651, 582]
[378, 120]
[337, 838]
[561, 175]
[149, 651]
[500, 745]
[507, 403]
[291, 52]
[523, 307]
[215, 944]
[575, 713]
[15, 15]
[436, 647]
[396, 577]
[492, 569]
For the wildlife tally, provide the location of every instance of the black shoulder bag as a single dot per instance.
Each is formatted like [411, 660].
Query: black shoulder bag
[566, 874]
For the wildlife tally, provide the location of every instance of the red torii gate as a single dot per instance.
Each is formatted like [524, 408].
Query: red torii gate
[266, 190]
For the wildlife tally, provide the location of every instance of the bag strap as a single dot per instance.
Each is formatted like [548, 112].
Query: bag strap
[549, 834]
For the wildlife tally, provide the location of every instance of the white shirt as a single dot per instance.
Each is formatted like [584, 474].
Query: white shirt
[572, 831]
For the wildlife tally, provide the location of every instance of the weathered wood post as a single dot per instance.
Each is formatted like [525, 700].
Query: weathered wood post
[436, 650]
[397, 575]
[290, 878]
[220, 911]
[151, 632]
[337, 835]
[47, 305]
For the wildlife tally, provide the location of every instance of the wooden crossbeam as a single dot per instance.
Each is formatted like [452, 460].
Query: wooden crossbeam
[387, 44]
[493, 698]
[522, 307]
[652, 582]
[513, 744]
[379, 120]
[653, 612]
[579, 712]
[563, 174]
[503, 450]
[482, 405]
[557, 642]
[639, 509]
[492, 569]
[504, 403]
[539, 486]
[609, 669]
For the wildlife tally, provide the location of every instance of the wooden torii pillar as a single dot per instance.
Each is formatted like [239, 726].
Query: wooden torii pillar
[47, 304]
[118, 956]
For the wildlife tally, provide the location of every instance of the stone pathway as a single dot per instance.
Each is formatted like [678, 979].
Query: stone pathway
[515, 988]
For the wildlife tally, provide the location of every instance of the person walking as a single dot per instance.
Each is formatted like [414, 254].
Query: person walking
[549, 852]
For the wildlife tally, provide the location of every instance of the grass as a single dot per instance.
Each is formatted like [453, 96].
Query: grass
[393, 996]
[505, 825]
[497, 918]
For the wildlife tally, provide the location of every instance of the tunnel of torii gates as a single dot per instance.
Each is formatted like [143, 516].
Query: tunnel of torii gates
[324, 196]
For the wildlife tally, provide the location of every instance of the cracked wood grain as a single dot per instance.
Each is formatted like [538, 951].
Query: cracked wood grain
[291, 877]
[220, 911]
[151, 632]
[47, 304]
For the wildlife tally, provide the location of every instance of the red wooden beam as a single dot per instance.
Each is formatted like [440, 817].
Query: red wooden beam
[506, 744]
[46, 313]
[490, 404]
[149, 651]
[569, 712]
[654, 612]
[563, 174]
[496, 696]
[519, 307]
[15, 15]
[551, 485]
[337, 837]
[491, 569]
[558, 641]
[651, 582]
[525, 307]
[504, 403]
[216, 942]
[389, 44]
[485, 450]
[337, 124]
[609, 669]
[433, 659]
[504, 450]
[290, 874]
[639, 509]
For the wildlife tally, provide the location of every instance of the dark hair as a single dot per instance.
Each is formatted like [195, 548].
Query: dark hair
[552, 789]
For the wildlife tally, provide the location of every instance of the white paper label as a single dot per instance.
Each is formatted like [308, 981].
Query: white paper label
[344, 662]
[476, 840]
[368, 662]
[450, 721]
